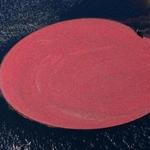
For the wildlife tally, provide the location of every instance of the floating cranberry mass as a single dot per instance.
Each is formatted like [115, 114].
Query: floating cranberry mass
[79, 74]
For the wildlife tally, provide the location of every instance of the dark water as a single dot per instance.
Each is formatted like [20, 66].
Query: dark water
[21, 17]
